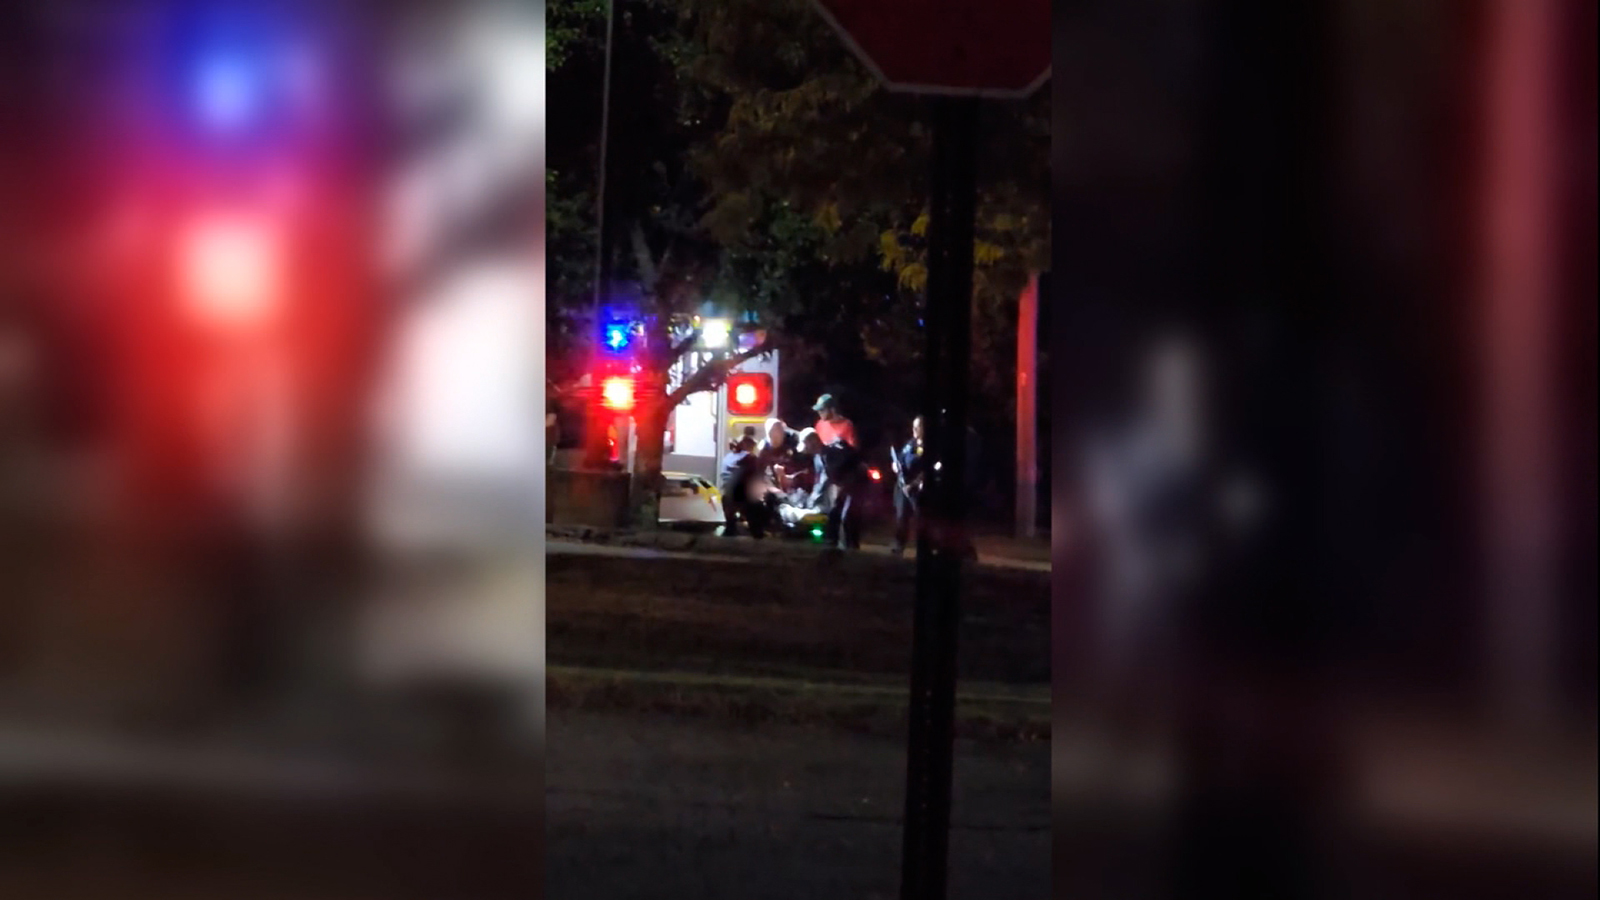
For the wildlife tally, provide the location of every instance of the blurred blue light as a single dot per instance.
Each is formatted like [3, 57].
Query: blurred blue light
[228, 92]
[617, 335]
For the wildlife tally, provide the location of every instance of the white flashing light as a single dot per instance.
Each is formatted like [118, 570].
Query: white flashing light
[715, 333]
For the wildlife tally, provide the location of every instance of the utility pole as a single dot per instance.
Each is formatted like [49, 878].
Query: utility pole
[600, 176]
[594, 433]
[965, 54]
[937, 614]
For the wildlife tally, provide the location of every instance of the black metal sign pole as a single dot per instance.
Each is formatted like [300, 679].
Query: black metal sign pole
[940, 530]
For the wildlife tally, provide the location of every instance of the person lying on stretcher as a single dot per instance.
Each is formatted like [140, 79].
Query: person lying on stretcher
[808, 493]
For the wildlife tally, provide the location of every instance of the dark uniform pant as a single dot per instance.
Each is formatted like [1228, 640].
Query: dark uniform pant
[905, 512]
[844, 521]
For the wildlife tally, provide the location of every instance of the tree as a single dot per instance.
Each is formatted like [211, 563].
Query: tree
[653, 207]
[806, 130]
[769, 175]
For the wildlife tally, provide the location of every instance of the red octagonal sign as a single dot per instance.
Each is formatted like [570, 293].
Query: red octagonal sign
[987, 48]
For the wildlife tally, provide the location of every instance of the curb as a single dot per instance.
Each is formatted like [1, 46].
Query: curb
[778, 550]
[772, 550]
[685, 542]
[994, 712]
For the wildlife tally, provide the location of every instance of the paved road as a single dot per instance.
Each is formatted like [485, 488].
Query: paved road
[650, 807]
[647, 806]
[997, 555]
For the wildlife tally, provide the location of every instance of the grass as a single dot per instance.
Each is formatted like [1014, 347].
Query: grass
[805, 643]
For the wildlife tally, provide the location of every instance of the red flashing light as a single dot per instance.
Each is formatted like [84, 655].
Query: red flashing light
[616, 394]
[874, 474]
[750, 395]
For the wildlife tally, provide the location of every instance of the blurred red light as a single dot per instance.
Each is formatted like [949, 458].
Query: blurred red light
[875, 475]
[229, 269]
[750, 395]
[617, 394]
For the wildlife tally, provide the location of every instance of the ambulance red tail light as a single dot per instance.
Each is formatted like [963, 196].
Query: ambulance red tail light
[750, 395]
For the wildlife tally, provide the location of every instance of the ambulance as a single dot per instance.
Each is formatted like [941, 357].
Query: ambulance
[701, 428]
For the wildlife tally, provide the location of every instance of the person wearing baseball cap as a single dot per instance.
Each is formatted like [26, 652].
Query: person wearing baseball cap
[838, 435]
[831, 424]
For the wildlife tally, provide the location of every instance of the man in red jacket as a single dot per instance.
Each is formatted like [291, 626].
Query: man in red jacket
[831, 424]
[838, 435]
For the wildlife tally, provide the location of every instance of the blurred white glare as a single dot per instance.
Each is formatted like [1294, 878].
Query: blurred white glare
[459, 492]
[508, 45]
[714, 333]
[517, 94]
[469, 376]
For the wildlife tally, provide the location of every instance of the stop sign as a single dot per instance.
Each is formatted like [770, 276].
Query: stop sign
[980, 48]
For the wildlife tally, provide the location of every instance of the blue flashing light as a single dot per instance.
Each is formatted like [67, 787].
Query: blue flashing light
[617, 336]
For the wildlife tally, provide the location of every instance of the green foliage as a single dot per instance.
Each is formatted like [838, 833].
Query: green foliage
[814, 162]
[573, 28]
[784, 182]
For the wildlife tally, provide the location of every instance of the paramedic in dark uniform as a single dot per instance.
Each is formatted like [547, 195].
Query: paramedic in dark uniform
[740, 479]
[908, 468]
[778, 452]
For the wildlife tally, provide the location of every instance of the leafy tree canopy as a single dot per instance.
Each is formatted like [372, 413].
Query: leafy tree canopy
[783, 180]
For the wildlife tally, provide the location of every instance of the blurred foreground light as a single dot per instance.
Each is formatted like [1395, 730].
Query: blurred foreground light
[230, 270]
[516, 83]
[714, 333]
[617, 394]
[228, 92]
[875, 475]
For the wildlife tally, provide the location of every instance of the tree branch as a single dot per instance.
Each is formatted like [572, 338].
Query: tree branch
[648, 273]
[710, 377]
[685, 345]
